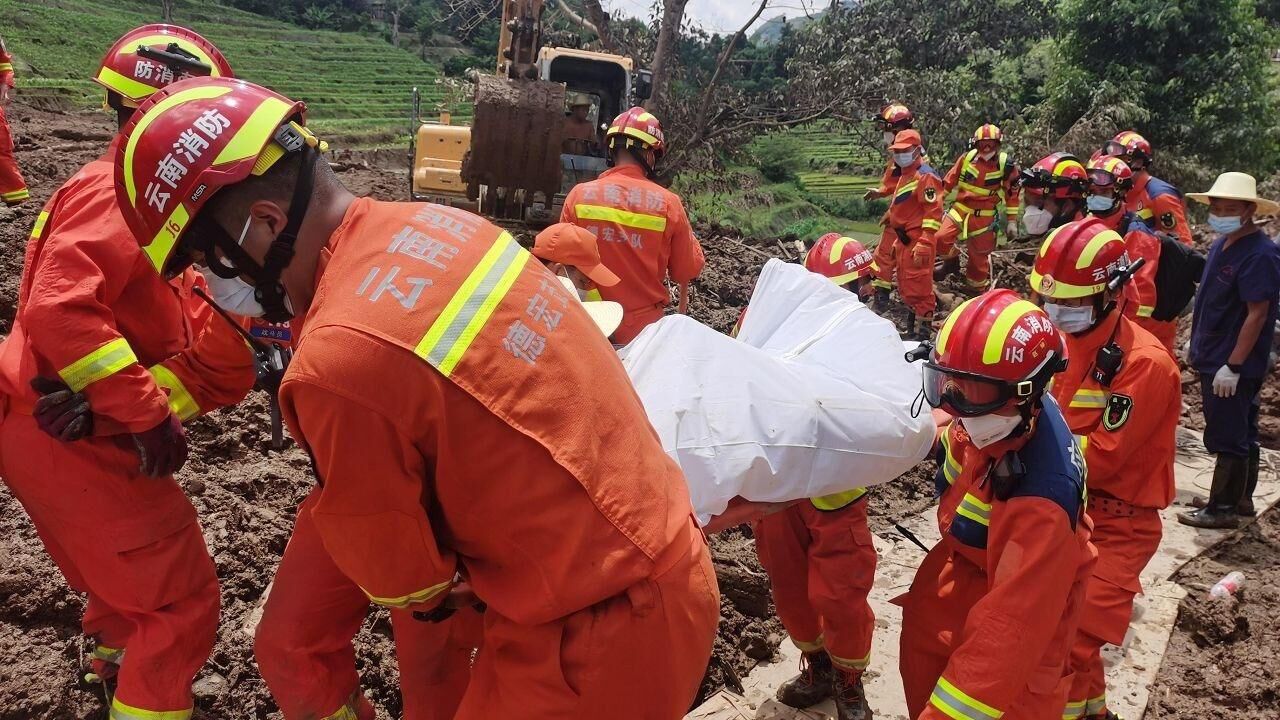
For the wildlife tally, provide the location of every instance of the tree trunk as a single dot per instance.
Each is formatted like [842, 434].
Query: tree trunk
[663, 56]
[395, 27]
[600, 19]
[166, 9]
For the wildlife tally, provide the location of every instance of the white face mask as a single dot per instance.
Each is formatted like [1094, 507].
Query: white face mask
[987, 155]
[888, 138]
[903, 159]
[569, 283]
[986, 429]
[1036, 220]
[234, 294]
[1070, 319]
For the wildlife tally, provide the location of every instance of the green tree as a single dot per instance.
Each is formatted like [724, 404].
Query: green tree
[1197, 70]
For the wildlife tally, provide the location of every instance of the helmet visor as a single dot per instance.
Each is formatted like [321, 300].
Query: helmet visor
[1101, 178]
[1111, 147]
[964, 394]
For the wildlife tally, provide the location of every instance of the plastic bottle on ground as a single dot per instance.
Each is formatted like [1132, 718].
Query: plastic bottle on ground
[1228, 585]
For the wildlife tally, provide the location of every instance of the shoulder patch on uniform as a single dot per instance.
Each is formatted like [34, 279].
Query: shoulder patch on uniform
[1117, 414]
[1168, 221]
[930, 194]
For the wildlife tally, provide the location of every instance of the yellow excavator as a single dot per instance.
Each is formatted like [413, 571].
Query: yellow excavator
[516, 161]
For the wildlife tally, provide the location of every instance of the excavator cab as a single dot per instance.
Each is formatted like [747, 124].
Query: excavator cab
[526, 148]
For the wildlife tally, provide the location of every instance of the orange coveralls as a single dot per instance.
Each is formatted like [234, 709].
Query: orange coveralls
[601, 597]
[822, 563]
[885, 259]
[644, 237]
[916, 210]
[981, 185]
[95, 313]
[988, 623]
[1141, 242]
[1159, 205]
[1127, 431]
[13, 189]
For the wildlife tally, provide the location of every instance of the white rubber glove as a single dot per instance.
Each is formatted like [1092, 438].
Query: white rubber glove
[1011, 230]
[1225, 382]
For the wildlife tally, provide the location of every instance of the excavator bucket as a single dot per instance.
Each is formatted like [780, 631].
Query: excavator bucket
[515, 136]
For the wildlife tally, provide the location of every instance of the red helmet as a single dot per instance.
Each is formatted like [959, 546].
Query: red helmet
[1106, 171]
[992, 350]
[987, 132]
[1130, 146]
[842, 259]
[148, 58]
[188, 141]
[894, 117]
[1061, 175]
[637, 127]
[1077, 260]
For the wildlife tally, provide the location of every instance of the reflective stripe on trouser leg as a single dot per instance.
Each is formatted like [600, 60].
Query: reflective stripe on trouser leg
[955, 703]
[121, 711]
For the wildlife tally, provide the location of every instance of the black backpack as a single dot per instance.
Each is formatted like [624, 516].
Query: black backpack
[1177, 276]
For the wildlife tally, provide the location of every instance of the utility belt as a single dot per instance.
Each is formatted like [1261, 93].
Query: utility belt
[1112, 506]
[961, 209]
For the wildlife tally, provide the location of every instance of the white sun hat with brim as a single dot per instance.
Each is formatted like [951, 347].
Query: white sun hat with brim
[606, 314]
[1237, 186]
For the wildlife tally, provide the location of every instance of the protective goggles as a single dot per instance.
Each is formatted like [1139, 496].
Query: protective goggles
[969, 395]
[1101, 178]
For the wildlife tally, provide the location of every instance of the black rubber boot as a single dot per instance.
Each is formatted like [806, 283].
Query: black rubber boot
[946, 267]
[851, 700]
[1245, 506]
[1219, 512]
[924, 328]
[812, 685]
[910, 332]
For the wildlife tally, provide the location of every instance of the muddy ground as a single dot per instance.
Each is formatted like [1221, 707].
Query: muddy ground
[247, 495]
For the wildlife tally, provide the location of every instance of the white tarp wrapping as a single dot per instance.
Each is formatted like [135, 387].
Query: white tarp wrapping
[813, 398]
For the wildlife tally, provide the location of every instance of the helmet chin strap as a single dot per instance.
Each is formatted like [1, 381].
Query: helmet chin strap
[268, 289]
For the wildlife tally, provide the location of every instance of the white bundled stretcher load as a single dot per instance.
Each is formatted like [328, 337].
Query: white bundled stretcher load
[812, 398]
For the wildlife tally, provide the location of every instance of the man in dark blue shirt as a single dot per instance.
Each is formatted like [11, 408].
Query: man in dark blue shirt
[1235, 318]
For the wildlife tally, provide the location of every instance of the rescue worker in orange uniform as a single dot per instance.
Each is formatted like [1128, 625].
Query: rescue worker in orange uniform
[893, 119]
[1156, 202]
[983, 178]
[915, 214]
[13, 189]
[1054, 189]
[820, 556]
[1121, 397]
[1110, 180]
[642, 227]
[601, 600]
[988, 623]
[93, 314]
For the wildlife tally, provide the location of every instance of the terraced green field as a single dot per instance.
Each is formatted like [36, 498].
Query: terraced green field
[826, 184]
[357, 87]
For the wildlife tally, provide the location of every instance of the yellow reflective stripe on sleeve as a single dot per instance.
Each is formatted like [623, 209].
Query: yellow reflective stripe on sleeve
[594, 296]
[1146, 310]
[836, 501]
[954, 703]
[930, 224]
[906, 189]
[6, 67]
[882, 284]
[109, 654]
[38, 229]
[121, 711]
[974, 509]
[16, 195]
[992, 351]
[101, 363]
[180, 401]
[1096, 706]
[851, 663]
[405, 601]
[1089, 399]
[625, 218]
[469, 309]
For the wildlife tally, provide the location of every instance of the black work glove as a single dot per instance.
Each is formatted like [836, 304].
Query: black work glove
[903, 237]
[459, 597]
[162, 450]
[61, 413]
